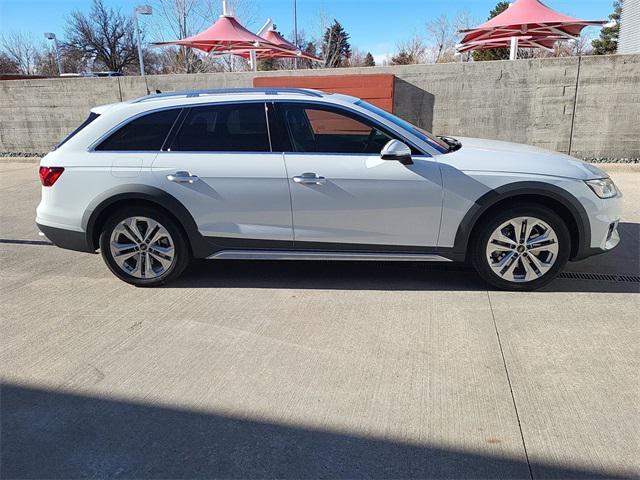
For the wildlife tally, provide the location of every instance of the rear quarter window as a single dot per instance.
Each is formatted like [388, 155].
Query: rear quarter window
[92, 116]
[145, 133]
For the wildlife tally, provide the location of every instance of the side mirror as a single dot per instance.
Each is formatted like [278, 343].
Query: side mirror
[398, 151]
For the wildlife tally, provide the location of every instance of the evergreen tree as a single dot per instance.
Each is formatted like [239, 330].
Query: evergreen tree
[310, 49]
[267, 64]
[369, 61]
[608, 41]
[403, 58]
[493, 53]
[335, 45]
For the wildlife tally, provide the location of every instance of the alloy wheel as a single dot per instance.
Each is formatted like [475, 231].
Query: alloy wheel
[142, 247]
[522, 249]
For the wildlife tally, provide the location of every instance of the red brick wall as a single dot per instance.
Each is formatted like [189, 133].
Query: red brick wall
[376, 89]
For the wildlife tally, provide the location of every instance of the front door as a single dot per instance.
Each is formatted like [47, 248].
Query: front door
[343, 194]
[219, 165]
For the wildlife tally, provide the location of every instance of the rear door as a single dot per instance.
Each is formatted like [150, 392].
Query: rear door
[344, 195]
[219, 164]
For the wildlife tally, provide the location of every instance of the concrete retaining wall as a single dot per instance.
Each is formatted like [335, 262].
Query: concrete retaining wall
[589, 106]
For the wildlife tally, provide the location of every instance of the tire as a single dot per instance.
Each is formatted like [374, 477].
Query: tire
[144, 247]
[521, 261]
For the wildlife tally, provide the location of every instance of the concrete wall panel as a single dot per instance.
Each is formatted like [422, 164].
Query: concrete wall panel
[527, 101]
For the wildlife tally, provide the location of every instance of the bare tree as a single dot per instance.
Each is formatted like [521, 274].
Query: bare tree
[441, 39]
[7, 65]
[463, 21]
[181, 19]
[410, 52]
[104, 34]
[357, 58]
[21, 51]
[46, 63]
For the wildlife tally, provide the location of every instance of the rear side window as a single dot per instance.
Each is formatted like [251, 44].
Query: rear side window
[224, 128]
[146, 133]
[92, 116]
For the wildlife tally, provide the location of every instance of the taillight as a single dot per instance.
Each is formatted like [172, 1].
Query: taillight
[49, 175]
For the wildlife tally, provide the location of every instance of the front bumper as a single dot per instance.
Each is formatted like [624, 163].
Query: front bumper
[603, 219]
[68, 239]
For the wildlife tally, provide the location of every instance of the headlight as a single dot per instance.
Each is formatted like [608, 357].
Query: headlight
[603, 187]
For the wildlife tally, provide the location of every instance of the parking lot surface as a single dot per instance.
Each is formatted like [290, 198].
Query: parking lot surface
[312, 370]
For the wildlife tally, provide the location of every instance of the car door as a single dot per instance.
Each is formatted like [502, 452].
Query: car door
[219, 164]
[344, 195]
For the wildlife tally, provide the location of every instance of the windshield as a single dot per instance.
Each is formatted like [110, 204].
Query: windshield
[425, 136]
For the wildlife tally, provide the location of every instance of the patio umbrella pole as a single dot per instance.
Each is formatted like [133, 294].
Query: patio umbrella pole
[513, 50]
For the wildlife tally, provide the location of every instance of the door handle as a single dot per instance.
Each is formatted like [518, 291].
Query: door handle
[309, 179]
[182, 177]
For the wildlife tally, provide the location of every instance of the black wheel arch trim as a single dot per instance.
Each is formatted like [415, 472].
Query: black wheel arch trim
[202, 246]
[132, 192]
[529, 188]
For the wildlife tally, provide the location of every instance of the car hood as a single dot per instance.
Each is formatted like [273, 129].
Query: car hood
[478, 154]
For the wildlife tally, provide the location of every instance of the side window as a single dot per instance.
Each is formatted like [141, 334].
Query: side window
[324, 130]
[146, 133]
[224, 128]
[92, 116]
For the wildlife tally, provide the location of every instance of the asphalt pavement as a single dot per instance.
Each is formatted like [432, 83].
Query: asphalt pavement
[313, 369]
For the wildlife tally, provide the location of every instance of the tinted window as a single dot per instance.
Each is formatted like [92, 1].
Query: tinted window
[427, 137]
[92, 116]
[146, 133]
[224, 128]
[320, 129]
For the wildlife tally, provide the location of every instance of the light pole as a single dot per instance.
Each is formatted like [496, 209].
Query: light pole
[52, 36]
[295, 31]
[142, 10]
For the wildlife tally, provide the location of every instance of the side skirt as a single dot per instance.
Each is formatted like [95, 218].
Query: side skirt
[317, 255]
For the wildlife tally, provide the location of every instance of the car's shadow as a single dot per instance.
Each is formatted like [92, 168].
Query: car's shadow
[325, 275]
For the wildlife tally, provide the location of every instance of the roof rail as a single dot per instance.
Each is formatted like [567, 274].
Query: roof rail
[223, 91]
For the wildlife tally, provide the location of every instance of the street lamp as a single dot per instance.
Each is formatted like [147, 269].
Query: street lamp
[52, 36]
[142, 10]
[295, 31]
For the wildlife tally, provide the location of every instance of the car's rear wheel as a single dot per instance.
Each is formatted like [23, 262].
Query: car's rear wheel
[144, 247]
[522, 248]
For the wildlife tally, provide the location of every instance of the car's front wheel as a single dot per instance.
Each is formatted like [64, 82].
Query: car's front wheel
[143, 247]
[522, 248]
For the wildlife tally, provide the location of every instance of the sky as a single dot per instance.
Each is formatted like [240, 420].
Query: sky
[375, 26]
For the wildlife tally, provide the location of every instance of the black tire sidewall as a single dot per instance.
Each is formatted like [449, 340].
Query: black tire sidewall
[181, 250]
[480, 240]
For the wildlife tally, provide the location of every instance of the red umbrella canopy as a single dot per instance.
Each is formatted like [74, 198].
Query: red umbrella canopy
[224, 35]
[274, 37]
[287, 49]
[529, 18]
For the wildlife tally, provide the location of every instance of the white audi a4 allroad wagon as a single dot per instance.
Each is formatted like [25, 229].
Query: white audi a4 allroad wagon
[293, 174]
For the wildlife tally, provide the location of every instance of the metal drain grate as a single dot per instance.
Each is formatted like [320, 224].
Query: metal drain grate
[601, 277]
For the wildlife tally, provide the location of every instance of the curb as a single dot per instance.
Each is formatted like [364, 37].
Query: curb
[20, 160]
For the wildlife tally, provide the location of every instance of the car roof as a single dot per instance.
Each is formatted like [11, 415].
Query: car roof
[194, 97]
[186, 98]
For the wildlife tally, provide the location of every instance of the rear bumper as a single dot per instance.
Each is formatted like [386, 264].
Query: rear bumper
[68, 239]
